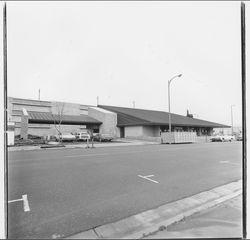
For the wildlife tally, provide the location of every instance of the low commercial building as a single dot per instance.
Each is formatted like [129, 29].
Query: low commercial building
[43, 118]
[133, 122]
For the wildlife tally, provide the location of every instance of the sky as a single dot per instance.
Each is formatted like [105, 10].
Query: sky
[127, 51]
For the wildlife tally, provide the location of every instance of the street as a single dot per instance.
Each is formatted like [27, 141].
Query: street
[62, 192]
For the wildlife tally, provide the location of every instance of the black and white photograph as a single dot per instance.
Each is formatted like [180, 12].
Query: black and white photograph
[124, 119]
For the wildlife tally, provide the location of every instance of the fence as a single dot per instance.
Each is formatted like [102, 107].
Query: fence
[178, 137]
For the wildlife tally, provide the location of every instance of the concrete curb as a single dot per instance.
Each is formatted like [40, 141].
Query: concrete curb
[30, 148]
[148, 222]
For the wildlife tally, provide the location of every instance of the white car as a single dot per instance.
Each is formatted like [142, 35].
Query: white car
[65, 137]
[222, 138]
[82, 136]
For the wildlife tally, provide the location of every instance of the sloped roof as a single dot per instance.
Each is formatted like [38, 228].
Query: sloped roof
[134, 116]
[47, 117]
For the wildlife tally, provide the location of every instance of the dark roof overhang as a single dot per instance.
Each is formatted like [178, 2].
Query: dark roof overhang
[142, 117]
[49, 118]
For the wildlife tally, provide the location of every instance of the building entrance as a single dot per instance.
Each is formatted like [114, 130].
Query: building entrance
[122, 132]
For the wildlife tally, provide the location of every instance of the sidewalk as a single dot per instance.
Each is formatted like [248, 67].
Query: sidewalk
[117, 143]
[149, 224]
[223, 221]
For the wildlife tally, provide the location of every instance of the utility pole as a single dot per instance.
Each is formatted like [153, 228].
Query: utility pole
[232, 119]
[39, 94]
[97, 100]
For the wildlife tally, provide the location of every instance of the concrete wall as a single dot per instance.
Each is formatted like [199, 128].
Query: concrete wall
[24, 124]
[133, 131]
[67, 108]
[49, 129]
[151, 131]
[108, 119]
[142, 131]
[15, 106]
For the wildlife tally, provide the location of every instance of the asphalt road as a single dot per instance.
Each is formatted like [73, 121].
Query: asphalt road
[72, 190]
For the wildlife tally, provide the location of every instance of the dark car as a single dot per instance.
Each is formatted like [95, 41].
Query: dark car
[103, 137]
[239, 138]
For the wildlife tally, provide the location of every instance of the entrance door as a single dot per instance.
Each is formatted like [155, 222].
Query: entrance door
[122, 132]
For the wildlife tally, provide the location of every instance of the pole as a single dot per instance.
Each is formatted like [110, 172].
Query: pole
[232, 119]
[39, 94]
[169, 111]
[5, 110]
[244, 144]
[97, 99]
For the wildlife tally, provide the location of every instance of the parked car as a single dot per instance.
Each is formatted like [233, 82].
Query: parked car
[82, 136]
[103, 137]
[222, 138]
[239, 138]
[65, 137]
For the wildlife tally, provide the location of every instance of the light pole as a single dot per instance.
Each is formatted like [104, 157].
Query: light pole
[169, 112]
[232, 118]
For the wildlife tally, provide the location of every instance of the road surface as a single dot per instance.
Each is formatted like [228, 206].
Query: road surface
[72, 190]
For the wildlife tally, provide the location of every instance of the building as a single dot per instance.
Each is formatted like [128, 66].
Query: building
[133, 122]
[41, 118]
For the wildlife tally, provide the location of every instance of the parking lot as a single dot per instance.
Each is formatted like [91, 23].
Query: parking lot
[55, 193]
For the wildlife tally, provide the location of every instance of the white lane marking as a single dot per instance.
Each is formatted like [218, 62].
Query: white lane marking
[16, 200]
[148, 178]
[24, 198]
[88, 155]
[236, 164]
[26, 206]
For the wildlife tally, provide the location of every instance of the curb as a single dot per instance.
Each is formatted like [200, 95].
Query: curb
[148, 222]
[30, 148]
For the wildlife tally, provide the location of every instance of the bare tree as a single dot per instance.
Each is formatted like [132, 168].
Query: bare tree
[58, 118]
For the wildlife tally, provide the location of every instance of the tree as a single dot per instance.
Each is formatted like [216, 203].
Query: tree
[58, 118]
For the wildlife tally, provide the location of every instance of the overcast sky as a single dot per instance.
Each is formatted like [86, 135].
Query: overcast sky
[127, 51]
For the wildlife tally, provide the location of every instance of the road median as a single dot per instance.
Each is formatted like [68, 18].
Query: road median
[148, 222]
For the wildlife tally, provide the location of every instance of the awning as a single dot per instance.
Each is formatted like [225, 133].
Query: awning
[49, 118]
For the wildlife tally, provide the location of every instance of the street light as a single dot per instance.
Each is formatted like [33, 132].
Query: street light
[169, 112]
[232, 118]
